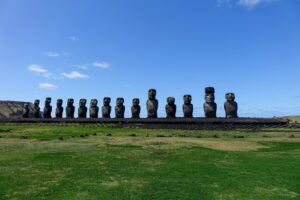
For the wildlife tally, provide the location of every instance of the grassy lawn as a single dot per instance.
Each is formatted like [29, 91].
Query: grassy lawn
[103, 162]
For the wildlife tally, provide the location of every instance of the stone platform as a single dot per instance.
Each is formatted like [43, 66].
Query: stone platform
[165, 123]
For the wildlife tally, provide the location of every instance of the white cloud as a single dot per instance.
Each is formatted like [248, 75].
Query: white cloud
[244, 3]
[40, 70]
[47, 86]
[37, 68]
[51, 54]
[74, 38]
[103, 65]
[74, 75]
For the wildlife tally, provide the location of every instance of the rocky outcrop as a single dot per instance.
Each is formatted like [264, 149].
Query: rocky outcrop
[13, 109]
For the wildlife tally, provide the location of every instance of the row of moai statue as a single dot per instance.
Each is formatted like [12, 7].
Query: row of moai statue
[210, 107]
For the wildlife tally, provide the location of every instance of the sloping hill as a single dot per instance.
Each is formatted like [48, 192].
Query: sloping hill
[12, 109]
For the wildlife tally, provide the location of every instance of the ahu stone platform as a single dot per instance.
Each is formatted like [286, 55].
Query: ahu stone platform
[163, 123]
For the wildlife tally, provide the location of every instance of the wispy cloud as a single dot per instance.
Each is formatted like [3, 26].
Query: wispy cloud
[47, 86]
[39, 70]
[74, 75]
[74, 38]
[51, 54]
[103, 65]
[250, 4]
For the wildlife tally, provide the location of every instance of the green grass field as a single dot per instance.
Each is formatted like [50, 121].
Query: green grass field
[96, 162]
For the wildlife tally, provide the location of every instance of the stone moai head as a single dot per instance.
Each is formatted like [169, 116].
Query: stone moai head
[171, 101]
[26, 106]
[70, 102]
[106, 101]
[94, 102]
[82, 102]
[210, 107]
[48, 101]
[209, 94]
[59, 102]
[230, 106]
[135, 102]
[187, 99]
[152, 94]
[36, 103]
[120, 101]
[230, 97]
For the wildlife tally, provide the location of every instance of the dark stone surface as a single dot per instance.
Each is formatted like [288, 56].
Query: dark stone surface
[94, 109]
[82, 109]
[36, 109]
[26, 111]
[135, 108]
[230, 106]
[152, 104]
[48, 108]
[120, 108]
[59, 108]
[70, 109]
[187, 107]
[171, 107]
[210, 107]
[106, 108]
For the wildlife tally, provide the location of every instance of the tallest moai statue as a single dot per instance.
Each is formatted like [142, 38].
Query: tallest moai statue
[47, 108]
[210, 107]
[152, 104]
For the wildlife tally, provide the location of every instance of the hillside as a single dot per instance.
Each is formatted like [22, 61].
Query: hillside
[12, 109]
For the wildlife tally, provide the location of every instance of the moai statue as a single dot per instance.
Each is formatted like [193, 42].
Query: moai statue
[70, 109]
[230, 106]
[171, 107]
[82, 109]
[120, 108]
[187, 106]
[26, 111]
[106, 108]
[47, 108]
[59, 109]
[152, 104]
[135, 108]
[36, 109]
[210, 107]
[94, 109]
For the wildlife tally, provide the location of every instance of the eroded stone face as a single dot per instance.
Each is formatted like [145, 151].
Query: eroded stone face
[106, 108]
[59, 108]
[120, 108]
[171, 108]
[36, 109]
[187, 107]
[47, 108]
[94, 109]
[230, 106]
[70, 109]
[152, 104]
[26, 111]
[135, 108]
[210, 107]
[82, 109]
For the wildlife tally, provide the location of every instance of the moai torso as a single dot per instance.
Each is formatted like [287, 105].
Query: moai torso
[152, 104]
[47, 108]
[187, 106]
[70, 109]
[106, 108]
[94, 109]
[82, 109]
[120, 108]
[26, 111]
[36, 109]
[171, 107]
[210, 107]
[230, 106]
[135, 108]
[59, 109]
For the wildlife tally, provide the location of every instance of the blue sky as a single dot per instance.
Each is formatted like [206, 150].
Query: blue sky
[96, 48]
